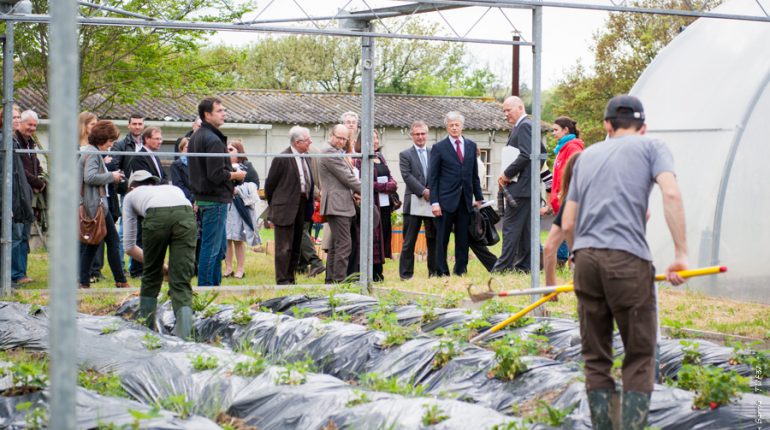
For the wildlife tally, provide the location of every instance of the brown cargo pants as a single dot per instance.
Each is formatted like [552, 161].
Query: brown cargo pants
[615, 284]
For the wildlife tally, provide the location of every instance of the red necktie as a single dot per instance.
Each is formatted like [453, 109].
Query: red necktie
[459, 151]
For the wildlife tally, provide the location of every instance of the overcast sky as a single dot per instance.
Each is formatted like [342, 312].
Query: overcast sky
[567, 33]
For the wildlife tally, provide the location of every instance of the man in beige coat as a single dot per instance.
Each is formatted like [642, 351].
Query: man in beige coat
[338, 201]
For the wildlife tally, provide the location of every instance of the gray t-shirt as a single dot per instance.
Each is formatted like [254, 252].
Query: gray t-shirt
[140, 199]
[611, 182]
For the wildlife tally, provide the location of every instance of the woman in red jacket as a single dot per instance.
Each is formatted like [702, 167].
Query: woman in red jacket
[567, 144]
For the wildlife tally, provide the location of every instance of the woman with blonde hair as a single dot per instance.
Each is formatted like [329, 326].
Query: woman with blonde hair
[87, 121]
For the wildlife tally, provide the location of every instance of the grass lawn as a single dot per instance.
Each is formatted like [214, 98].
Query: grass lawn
[679, 306]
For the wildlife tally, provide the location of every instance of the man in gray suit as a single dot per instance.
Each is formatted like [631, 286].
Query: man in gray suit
[341, 188]
[516, 179]
[413, 163]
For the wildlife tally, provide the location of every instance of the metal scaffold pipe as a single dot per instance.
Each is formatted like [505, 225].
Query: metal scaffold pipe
[62, 273]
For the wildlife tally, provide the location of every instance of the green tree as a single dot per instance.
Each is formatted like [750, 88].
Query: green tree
[124, 64]
[623, 49]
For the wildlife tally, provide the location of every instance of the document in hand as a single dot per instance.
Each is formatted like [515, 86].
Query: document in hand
[508, 155]
[419, 207]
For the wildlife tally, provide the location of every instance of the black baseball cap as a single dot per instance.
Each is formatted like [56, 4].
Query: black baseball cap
[624, 106]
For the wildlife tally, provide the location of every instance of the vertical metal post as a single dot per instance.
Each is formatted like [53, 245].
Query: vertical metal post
[537, 49]
[515, 67]
[63, 84]
[7, 240]
[367, 128]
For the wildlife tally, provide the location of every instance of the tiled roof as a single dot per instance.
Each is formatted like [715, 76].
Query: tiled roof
[281, 107]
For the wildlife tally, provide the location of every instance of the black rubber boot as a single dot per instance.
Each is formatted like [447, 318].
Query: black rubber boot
[147, 306]
[599, 404]
[184, 322]
[636, 405]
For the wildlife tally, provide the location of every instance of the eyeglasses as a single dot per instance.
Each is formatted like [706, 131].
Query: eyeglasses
[340, 137]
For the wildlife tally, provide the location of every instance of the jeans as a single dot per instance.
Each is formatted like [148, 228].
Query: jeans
[19, 250]
[213, 244]
[111, 242]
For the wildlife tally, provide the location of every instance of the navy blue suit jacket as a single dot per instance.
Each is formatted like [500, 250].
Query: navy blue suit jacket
[451, 183]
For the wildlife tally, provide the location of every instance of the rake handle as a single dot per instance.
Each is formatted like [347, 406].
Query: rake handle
[554, 291]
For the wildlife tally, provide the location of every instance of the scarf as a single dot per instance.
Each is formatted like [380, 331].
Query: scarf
[183, 159]
[562, 142]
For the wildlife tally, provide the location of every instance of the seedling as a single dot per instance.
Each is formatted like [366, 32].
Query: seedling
[508, 353]
[36, 418]
[180, 404]
[105, 384]
[359, 398]
[690, 351]
[251, 368]
[150, 341]
[433, 415]
[112, 328]
[295, 373]
[201, 301]
[446, 350]
[545, 413]
[751, 354]
[395, 334]
[452, 300]
[376, 382]
[204, 362]
[241, 315]
[299, 312]
[26, 377]
[544, 328]
[211, 310]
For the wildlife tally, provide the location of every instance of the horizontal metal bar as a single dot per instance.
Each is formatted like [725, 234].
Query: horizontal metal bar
[386, 12]
[608, 8]
[215, 26]
[196, 154]
[114, 10]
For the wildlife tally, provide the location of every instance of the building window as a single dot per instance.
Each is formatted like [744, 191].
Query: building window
[486, 162]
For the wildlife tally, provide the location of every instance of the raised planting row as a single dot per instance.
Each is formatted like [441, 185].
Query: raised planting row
[510, 377]
[191, 378]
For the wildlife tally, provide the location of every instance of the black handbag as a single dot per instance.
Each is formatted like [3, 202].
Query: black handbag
[395, 201]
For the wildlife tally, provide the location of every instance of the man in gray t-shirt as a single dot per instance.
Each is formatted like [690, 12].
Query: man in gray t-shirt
[604, 220]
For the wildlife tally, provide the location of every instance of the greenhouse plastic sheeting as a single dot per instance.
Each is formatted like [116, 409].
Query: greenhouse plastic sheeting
[19, 327]
[410, 361]
[406, 414]
[319, 306]
[323, 399]
[93, 410]
[466, 376]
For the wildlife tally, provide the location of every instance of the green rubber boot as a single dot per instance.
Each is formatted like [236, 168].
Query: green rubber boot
[636, 405]
[147, 306]
[184, 322]
[599, 404]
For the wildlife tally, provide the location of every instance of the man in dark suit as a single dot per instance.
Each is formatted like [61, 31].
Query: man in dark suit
[341, 188]
[289, 192]
[413, 163]
[152, 137]
[454, 183]
[516, 179]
